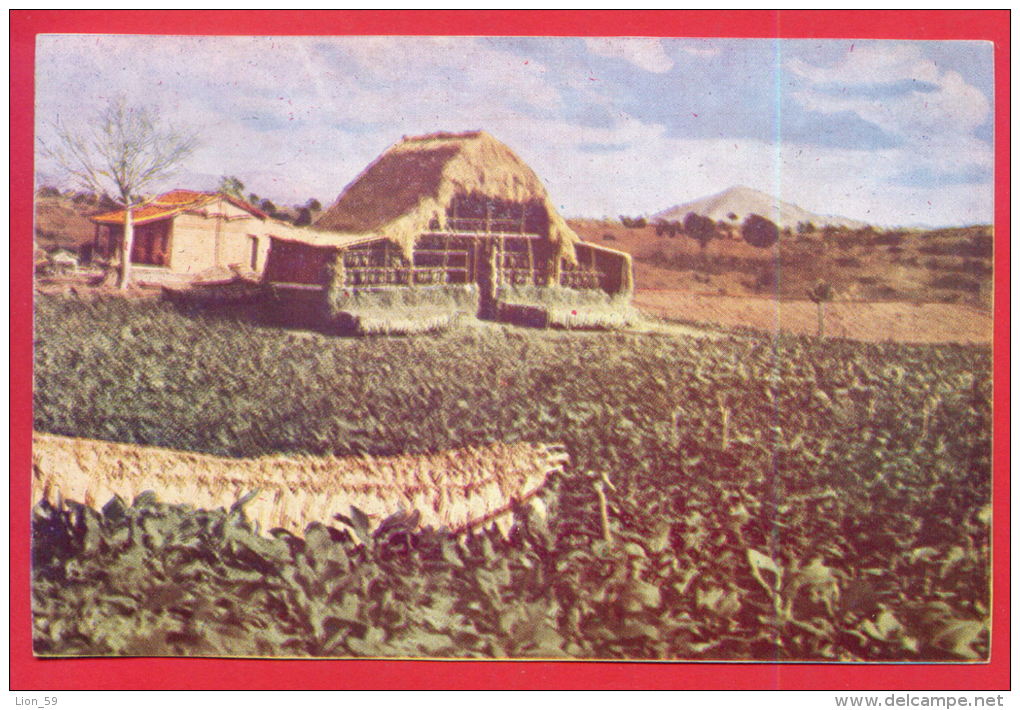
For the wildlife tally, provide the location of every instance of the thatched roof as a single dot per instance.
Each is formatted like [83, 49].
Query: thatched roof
[411, 184]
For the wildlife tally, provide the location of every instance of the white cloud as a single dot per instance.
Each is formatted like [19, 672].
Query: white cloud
[301, 117]
[644, 52]
[866, 63]
[943, 101]
[700, 48]
[934, 123]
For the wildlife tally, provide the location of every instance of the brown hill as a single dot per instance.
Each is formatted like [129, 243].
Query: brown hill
[938, 266]
[62, 223]
[743, 201]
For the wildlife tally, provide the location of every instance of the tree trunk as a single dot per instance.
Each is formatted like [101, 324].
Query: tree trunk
[126, 246]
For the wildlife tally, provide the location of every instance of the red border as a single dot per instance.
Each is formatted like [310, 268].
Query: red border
[29, 673]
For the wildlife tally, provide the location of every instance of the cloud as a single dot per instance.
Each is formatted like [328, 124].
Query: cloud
[932, 112]
[942, 101]
[871, 64]
[700, 48]
[644, 52]
[301, 117]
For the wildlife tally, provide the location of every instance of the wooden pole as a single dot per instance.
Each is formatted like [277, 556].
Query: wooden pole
[500, 256]
[531, 263]
[446, 258]
[410, 269]
[554, 276]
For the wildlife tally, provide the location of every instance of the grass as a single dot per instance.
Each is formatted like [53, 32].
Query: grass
[376, 310]
[560, 307]
[861, 472]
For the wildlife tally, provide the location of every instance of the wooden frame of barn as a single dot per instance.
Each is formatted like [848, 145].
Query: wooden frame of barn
[444, 210]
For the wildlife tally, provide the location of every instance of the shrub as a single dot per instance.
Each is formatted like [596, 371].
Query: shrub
[558, 306]
[699, 228]
[759, 231]
[668, 228]
[956, 282]
[893, 239]
[633, 222]
[400, 309]
[979, 246]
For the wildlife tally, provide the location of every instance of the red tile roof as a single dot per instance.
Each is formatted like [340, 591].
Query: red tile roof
[172, 203]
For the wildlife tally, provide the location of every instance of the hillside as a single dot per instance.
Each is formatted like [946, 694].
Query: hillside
[938, 266]
[942, 266]
[62, 223]
[742, 201]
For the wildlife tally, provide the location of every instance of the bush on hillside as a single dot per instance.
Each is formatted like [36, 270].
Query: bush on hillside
[759, 231]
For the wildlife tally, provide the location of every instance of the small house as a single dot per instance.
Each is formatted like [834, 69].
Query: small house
[182, 234]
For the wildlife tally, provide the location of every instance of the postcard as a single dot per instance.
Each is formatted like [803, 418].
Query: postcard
[549, 348]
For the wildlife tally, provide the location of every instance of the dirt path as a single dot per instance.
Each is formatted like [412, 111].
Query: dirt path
[875, 322]
[681, 329]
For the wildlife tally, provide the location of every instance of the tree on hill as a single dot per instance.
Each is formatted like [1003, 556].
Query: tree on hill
[120, 153]
[667, 228]
[759, 231]
[313, 205]
[304, 217]
[805, 227]
[699, 228]
[230, 185]
[819, 294]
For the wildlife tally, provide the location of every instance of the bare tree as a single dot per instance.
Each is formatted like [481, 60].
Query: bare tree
[119, 155]
[819, 294]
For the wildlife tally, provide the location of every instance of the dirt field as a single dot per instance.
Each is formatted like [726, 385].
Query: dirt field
[941, 266]
[878, 321]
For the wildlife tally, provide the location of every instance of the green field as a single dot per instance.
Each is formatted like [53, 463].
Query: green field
[790, 499]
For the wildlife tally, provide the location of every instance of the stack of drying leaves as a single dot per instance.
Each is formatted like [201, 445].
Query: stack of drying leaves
[457, 489]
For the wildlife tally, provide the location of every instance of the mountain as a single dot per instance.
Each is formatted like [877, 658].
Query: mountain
[743, 201]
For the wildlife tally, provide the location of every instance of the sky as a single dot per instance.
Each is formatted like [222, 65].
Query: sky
[888, 132]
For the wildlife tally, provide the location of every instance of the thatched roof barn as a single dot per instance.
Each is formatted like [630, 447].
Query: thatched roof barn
[451, 211]
[414, 187]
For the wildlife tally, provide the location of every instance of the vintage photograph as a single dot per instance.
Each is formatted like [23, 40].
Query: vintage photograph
[435, 347]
